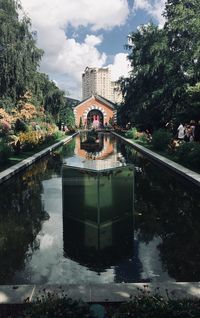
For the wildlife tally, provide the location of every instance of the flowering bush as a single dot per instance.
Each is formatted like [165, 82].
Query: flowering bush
[30, 139]
[5, 116]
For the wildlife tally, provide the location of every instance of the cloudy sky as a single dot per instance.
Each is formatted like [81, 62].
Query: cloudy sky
[78, 33]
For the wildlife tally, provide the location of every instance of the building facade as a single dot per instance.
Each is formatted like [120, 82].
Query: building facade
[97, 81]
[95, 111]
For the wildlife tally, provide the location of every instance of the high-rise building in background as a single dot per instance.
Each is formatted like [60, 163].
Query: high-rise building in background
[97, 81]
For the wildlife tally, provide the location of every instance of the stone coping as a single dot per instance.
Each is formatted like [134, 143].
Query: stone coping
[18, 294]
[11, 171]
[184, 172]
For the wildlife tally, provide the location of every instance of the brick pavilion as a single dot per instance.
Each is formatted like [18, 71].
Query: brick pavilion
[95, 111]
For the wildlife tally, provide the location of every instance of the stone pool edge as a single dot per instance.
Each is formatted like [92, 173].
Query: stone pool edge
[11, 171]
[99, 293]
[184, 172]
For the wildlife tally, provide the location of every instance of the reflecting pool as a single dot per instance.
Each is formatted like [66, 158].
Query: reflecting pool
[70, 219]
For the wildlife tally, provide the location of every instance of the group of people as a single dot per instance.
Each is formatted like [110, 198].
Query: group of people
[189, 132]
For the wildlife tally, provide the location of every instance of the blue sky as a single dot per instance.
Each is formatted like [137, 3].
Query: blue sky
[78, 33]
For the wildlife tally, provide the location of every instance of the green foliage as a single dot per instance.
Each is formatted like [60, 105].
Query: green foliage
[51, 305]
[155, 306]
[6, 103]
[54, 101]
[57, 135]
[5, 152]
[67, 116]
[161, 139]
[19, 56]
[143, 138]
[165, 65]
[188, 154]
[131, 134]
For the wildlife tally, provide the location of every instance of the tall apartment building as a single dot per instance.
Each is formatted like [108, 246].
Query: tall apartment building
[98, 81]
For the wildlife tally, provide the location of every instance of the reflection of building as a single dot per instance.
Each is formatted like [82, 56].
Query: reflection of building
[97, 213]
[105, 148]
[95, 108]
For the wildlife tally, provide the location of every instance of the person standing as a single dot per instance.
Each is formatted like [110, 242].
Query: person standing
[181, 132]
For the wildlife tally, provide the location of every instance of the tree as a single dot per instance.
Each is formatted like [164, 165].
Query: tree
[183, 31]
[54, 102]
[165, 67]
[19, 56]
[146, 91]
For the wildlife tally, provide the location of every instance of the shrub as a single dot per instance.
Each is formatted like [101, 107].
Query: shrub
[57, 135]
[154, 306]
[143, 138]
[188, 154]
[30, 139]
[5, 152]
[161, 139]
[50, 305]
[132, 133]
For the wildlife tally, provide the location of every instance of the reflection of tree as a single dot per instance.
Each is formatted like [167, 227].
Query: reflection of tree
[20, 220]
[168, 207]
[22, 212]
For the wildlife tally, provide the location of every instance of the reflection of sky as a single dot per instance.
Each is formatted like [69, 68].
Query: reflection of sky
[151, 265]
[48, 265]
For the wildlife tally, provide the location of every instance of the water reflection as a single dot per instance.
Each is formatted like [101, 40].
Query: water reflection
[167, 212]
[95, 146]
[98, 227]
[21, 217]
[85, 234]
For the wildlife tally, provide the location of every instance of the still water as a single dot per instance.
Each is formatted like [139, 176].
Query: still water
[109, 223]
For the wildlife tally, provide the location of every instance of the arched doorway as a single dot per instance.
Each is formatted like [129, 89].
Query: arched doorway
[95, 119]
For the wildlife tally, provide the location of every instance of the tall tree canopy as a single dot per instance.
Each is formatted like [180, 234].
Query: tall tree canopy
[165, 66]
[19, 60]
[19, 55]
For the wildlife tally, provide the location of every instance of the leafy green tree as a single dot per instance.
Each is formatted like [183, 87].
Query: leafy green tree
[54, 102]
[19, 56]
[67, 116]
[147, 92]
[165, 68]
[183, 32]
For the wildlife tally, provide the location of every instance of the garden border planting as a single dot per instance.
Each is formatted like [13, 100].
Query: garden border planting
[11, 171]
[179, 169]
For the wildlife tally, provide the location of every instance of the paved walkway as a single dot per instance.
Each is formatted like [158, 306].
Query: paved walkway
[185, 172]
[10, 172]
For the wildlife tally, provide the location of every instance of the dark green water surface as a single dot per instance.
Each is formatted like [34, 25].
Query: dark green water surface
[59, 226]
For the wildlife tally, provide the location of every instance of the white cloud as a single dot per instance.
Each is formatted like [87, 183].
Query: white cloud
[154, 8]
[67, 56]
[99, 14]
[120, 66]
